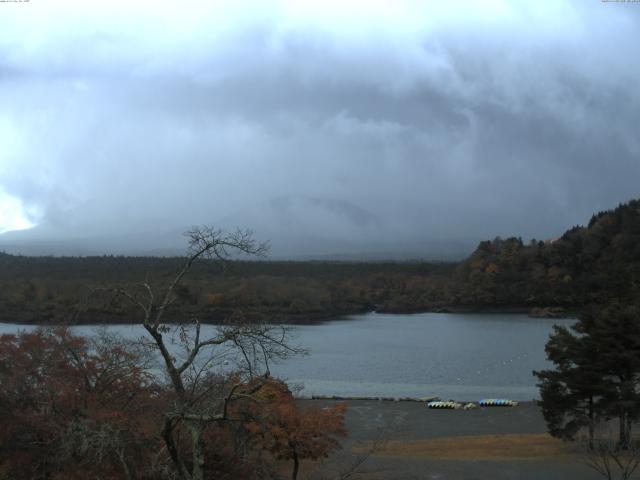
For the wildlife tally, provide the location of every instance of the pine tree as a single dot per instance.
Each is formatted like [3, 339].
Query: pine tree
[571, 394]
[596, 375]
[615, 329]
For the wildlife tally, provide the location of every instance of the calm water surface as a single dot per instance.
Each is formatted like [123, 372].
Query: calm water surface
[460, 356]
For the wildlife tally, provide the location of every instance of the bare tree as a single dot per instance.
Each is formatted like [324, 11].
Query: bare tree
[203, 389]
[605, 456]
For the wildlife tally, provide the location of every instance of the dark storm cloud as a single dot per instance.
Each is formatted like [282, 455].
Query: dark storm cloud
[519, 122]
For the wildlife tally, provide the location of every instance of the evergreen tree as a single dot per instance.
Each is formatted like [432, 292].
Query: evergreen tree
[616, 331]
[571, 394]
[596, 375]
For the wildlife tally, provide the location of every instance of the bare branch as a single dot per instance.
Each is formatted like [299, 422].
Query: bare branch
[203, 390]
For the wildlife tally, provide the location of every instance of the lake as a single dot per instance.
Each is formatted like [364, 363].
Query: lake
[459, 356]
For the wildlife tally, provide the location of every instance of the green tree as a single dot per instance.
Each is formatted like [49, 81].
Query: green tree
[571, 393]
[615, 329]
[596, 375]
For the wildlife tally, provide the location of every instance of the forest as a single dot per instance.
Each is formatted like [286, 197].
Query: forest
[590, 264]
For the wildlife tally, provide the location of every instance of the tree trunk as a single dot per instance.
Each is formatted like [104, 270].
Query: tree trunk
[623, 441]
[197, 472]
[123, 463]
[296, 465]
[591, 423]
[167, 435]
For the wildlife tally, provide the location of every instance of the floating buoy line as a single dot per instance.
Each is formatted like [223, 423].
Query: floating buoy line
[490, 368]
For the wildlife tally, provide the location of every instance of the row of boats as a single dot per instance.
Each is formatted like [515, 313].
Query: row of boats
[485, 402]
[431, 402]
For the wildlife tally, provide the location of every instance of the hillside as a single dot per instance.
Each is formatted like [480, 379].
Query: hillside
[589, 264]
[585, 265]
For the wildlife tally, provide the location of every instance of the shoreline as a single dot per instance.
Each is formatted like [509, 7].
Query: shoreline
[408, 440]
[320, 318]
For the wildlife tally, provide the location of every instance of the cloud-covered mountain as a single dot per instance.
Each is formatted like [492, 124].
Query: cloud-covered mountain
[348, 123]
[296, 227]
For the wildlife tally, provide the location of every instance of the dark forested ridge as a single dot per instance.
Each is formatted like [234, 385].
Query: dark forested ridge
[53, 289]
[586, 265]
[591, 264]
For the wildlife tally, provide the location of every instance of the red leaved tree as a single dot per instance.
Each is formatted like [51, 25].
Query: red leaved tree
[290, 432]
[70, 406]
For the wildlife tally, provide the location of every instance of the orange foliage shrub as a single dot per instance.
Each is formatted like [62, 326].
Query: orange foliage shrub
[291, 433]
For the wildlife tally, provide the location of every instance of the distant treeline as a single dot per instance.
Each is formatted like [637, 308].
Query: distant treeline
[592, 264]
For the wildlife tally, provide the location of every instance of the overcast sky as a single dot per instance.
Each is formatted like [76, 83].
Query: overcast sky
[354, 121]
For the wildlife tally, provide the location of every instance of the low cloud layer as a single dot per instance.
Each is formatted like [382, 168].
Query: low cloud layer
[351, 123]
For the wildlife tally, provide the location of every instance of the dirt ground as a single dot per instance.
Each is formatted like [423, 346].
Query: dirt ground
[414, 442]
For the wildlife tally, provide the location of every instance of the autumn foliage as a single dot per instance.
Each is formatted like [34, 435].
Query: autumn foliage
[69, 403]
[74, 408]
[291, 433]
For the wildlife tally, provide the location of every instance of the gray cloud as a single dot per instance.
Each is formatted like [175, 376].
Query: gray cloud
[385, 131]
